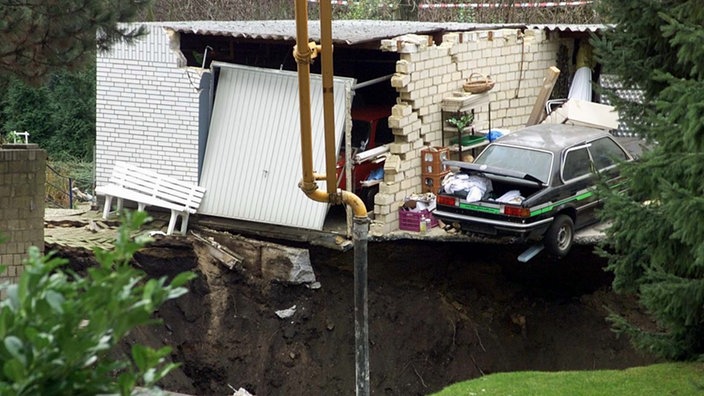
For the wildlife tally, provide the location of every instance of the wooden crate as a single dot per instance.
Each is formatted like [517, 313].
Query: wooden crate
[432, 182]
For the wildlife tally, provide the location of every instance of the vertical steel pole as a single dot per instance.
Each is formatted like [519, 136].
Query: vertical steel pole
[70, 193]
[360, 238]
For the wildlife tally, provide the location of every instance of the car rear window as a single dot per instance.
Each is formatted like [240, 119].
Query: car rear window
[533, 162]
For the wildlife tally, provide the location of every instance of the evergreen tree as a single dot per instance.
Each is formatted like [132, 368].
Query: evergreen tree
[72, 104]
[656, 241]
[27, 108]
[59, 115]
[41, 36]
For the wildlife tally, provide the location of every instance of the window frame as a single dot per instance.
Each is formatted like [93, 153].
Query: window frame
[584, 147]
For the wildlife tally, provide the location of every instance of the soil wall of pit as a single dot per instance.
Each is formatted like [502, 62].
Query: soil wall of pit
[439, 313]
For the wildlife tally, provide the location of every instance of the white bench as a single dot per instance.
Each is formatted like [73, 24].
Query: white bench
[149, 188]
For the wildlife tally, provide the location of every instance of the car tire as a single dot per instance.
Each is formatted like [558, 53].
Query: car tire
[559, 237]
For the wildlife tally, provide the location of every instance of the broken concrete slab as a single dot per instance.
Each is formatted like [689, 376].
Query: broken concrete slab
[266, 260]
[222, 254]
[286, 264]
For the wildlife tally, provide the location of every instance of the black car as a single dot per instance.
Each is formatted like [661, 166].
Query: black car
[535, 183]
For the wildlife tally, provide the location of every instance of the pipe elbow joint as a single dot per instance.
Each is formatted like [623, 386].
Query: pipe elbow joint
[308, 187]
[355, 203]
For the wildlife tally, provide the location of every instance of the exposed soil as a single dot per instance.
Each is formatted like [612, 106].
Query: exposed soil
[438, 313]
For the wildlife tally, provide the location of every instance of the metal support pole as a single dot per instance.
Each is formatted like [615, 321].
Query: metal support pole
[70, 193]
[360, 237]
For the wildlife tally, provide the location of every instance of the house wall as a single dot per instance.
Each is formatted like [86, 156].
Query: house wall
[146, 109]
[425, 74]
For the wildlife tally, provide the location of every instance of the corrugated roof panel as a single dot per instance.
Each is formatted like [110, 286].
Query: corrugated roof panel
[352, 31]
[343, 31]
[567, 27]
[252, 162]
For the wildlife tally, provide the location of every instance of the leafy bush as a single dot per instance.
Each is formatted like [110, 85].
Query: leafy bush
[57, 328]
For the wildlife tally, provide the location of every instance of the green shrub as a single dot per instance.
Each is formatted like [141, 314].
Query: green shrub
[58, 328]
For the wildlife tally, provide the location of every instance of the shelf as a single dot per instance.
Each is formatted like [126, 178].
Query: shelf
[454, 148]
[464, 102]
[469, 138]
[369, 183]
[467, 129]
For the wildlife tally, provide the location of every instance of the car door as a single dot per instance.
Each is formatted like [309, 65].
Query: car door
[606, 155]
[578, 178]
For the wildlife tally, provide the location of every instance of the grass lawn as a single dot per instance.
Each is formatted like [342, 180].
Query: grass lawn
[658, 379]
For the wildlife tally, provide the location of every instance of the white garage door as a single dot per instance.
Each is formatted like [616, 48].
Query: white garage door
[252, 162]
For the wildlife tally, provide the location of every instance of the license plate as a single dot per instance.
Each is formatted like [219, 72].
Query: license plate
[479, 228]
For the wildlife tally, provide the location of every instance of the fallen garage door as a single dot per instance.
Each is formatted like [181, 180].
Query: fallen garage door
[252, 162]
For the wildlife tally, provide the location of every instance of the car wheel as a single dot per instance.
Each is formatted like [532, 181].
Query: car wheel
[559, 237]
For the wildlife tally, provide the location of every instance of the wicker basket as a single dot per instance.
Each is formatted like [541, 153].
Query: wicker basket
[478, 83]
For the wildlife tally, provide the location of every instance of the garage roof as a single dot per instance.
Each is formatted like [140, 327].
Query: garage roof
[348, 32]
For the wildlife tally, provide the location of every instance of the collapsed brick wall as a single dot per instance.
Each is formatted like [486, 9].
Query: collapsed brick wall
[426, 73]
[22, 192]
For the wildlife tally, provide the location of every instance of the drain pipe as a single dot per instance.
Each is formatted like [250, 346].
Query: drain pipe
[304, 52]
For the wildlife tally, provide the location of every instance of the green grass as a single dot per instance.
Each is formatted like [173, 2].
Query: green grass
[659, 379]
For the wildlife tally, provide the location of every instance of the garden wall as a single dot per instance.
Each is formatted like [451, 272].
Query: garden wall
[22, 193]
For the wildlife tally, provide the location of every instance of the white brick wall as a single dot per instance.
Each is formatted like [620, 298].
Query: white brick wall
[146, 109]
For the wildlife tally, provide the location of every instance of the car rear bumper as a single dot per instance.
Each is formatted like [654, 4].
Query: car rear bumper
[487, 226]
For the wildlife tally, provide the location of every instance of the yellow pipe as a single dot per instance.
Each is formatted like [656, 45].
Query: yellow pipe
[310, 188]
[308, 184]
[303, 59]
[355, 203]
[342, 197]
[328, 97]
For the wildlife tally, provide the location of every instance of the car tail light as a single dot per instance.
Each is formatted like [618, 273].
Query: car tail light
[447, 201]
[515, 211]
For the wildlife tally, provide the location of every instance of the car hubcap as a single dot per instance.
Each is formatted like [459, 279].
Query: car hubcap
[563, 238]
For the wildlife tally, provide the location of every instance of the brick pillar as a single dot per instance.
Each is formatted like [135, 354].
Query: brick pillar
[22, 193]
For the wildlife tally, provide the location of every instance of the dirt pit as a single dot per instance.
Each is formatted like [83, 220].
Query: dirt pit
[439, 313]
